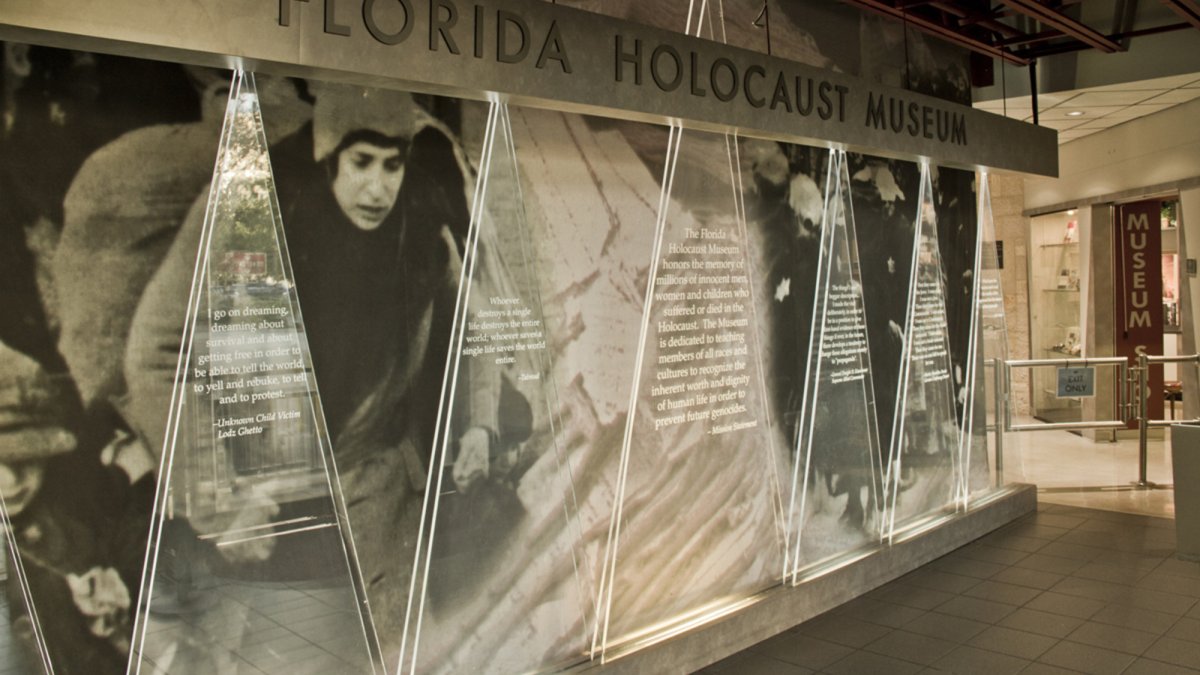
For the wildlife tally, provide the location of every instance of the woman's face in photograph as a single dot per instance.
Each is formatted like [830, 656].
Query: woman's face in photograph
[367, 183]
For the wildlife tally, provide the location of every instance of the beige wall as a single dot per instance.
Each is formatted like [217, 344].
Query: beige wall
[1150, 151]
[1189, 287]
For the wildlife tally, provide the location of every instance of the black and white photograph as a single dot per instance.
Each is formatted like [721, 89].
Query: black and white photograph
[520, 385]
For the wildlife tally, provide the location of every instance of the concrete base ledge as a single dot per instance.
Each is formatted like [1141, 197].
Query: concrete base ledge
[783, 607]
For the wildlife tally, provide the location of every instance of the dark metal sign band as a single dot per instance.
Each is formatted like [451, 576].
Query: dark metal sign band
[541, 54]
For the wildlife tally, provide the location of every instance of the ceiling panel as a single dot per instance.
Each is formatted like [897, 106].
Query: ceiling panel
[1175, 96]
[1110, 97]
[1133, 112]
[1061, 125]
[1155, 83]
[1062, 112]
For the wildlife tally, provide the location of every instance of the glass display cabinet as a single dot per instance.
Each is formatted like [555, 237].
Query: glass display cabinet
[1054, 309]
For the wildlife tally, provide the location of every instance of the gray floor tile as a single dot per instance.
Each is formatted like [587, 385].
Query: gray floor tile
[999, 591]
[1117, 574]
[966, 660]
[1109, 526]
[1157, 601]
[1170, 583]
[802, 650]
[912, 647]
[976, 609]
[1090, 588]
[915, 596]
[952, 628]
[752, 663]
[1182, 568]
[1062, 549]
[1022, 576]
[1037, 530]
[1140, 558]
[859, 663]
[843, 630]
[1186, 629]
[979, 569]
[883, 613]
[1086, 659]
[1145, 666]
[1135, 617]
[1044, 562]
[728, 664]
[1070, 605]
[1041, 623]
[941, 581]
[1179, 652]
[1013, 642]
[1017, 543]
[1055, 520]
[986, 553]
[1036, 668]
[1085, 538]
[1119, 638]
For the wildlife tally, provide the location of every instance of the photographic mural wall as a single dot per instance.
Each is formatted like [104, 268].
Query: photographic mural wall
[299, 372]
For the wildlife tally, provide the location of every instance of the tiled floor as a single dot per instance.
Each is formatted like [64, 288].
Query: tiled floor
[1069, 469]
[1064, 590]
[1068, 589]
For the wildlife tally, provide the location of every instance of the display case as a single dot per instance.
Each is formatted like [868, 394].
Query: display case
[1170, 269]
[1054, 309]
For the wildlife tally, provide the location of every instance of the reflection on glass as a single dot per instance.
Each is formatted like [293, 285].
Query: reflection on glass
[499, 474]
[837, 483]
[924, 471]
[989, 347]
[14, 565]
[696, 521]
[249, 566]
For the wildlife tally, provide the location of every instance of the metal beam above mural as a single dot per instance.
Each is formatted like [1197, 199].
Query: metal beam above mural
[540, 54]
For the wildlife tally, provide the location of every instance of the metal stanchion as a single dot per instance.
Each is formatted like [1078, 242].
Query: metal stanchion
[1143, 399]
[1142, 405]
[1001, 394]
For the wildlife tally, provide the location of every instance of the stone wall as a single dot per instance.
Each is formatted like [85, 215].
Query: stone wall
[1012, 228]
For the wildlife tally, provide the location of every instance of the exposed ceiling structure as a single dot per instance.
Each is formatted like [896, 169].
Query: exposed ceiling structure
[1008, 35]
[1021, 31]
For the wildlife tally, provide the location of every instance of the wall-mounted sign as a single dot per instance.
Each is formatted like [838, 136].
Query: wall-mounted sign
[1138, 324]
[1077, 382]
[545, 55]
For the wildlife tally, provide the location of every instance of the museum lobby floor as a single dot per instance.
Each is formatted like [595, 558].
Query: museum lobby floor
[1064, 590]
[1068, 589]
[1072, 470]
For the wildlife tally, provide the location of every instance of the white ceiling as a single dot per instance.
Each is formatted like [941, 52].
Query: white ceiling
[1102, 107]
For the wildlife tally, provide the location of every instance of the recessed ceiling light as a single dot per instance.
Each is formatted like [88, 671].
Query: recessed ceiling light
[1075, 113]
[1071, 212]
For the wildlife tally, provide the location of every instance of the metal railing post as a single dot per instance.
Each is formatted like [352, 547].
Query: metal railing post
[1142, 404]
[1000, 386]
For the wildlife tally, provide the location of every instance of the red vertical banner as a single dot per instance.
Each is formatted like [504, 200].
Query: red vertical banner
[1138, 321]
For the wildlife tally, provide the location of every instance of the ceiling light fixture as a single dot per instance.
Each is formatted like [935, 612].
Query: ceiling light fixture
[1075, 113]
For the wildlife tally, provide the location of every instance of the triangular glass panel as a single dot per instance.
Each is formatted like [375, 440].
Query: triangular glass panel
[989, 350]
[21, 592]
[957, 225]
[500, 474]
[837, 482]
[924, 472]
[697, 520]
[249, 562]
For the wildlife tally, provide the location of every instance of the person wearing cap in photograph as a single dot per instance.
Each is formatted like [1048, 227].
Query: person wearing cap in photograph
[373, 196]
